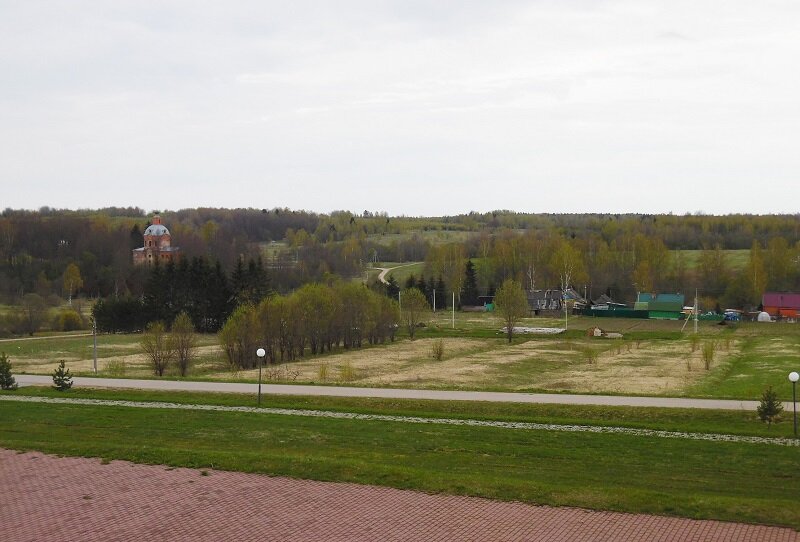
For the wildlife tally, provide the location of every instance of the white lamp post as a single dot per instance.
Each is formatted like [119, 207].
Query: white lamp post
[793, 378]
[94, 340]
[260, 353]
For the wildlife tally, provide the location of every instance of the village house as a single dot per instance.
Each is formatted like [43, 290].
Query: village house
[781, 304]
[606, 303]
[541, 301]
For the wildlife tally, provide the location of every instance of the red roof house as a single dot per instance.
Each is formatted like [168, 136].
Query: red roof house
[781, 304]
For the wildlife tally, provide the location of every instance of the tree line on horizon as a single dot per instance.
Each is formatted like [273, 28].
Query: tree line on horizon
[604, 253]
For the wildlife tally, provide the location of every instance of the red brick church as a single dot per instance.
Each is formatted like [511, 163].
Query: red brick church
[157, 245]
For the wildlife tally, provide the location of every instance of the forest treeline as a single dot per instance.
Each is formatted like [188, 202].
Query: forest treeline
[597, 253]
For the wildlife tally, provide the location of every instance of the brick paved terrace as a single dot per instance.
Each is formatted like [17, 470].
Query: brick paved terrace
[46, 498]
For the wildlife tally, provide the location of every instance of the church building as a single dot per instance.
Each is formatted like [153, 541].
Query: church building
[157, 245]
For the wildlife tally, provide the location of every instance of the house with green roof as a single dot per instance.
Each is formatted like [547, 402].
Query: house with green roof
[665, 306]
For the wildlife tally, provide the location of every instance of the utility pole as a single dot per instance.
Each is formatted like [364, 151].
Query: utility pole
[695, 311]
[454, 310]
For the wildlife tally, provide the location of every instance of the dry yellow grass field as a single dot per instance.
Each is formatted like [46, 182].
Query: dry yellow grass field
[577, 364]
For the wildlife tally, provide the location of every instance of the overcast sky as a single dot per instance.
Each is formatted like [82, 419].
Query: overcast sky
[410, 107]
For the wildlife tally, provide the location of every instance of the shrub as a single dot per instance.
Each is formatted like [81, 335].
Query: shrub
[347, 373]
[7, 381]
[15, 323]
[437, 349]
[62, 380]
[115, 368]
[591, 355]
[709, 349]
[770, 408]
[322, 371]
[158, 346]
[694, 341]
[68, 320]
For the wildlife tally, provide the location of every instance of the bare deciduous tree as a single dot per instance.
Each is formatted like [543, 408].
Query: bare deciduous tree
[184, 340]
[412, 306]
[159, 347]
[512, 303]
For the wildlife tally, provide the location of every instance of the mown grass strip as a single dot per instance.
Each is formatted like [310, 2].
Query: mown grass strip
[664, 419]
[413, 419]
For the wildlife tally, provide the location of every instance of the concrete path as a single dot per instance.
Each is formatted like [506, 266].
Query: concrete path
[393, 393]
[46, 337]
[48, 498]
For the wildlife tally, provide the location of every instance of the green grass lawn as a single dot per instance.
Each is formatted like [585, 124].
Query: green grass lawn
[766, 359]
[665, 419]
[728, 481]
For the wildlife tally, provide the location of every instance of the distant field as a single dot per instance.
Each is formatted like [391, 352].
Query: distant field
[653, 358]
[117, 354]
[274, 250]
[401, 274]
[737, 259]
[437, 237]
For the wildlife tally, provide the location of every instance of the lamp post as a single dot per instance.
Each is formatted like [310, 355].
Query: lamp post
[260, 353]
[793, 378]
[94, 339]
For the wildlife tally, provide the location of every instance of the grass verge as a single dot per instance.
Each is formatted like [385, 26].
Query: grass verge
[665, 419]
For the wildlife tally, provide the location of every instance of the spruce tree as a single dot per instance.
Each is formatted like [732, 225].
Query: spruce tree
[770, 407]
[155, 293]
[441, 294]
[221, 299]
[7, 381]
[426, 288]
[392, 288]
[62, 380]
[470, 293]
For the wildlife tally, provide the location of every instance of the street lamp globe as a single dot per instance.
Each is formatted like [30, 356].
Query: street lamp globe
[793, 377]
[261, 353]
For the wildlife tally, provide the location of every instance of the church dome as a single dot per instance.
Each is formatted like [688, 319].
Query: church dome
[156, 229]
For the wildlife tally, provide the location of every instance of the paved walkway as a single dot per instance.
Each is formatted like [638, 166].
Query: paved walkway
[48, 498]
[393, 393]
[46, 337]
